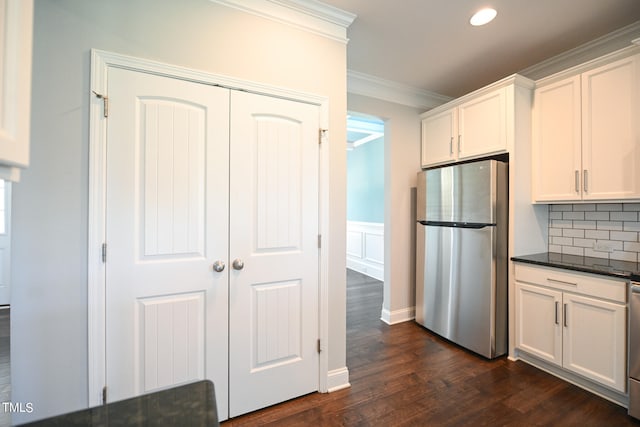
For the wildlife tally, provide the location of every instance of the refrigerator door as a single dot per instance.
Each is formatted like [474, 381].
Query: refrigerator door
[461, 193]
[462, 291]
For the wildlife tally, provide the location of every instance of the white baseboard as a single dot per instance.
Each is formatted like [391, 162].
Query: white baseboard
[366, 268]
[398, 316]
[338, 379]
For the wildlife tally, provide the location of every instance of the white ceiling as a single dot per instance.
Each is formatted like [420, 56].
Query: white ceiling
[430, 45]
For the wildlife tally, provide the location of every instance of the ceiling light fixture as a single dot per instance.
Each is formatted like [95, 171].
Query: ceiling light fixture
[483, 16]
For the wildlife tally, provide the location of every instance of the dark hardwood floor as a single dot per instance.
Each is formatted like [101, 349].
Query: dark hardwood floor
[402, 375]
[5, 378]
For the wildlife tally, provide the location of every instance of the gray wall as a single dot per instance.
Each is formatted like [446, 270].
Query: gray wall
[50, 205]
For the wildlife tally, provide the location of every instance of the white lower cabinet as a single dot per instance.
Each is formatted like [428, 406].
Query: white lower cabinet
[575, 321]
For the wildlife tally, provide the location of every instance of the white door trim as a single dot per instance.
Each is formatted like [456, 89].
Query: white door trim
[101, 61]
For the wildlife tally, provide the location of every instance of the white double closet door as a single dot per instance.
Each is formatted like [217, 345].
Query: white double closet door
[199, 175]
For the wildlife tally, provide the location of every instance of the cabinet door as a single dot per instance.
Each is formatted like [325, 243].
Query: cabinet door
[482, 125]
[438, 138]
[538, 329]
[556, 171]
[610, 137]
[594, 340]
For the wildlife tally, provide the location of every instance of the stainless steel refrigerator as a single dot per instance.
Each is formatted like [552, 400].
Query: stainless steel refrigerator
[461, 254]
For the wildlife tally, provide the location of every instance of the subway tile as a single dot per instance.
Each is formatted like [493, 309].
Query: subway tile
[561, 208]
[597, 234]
[632, 246]
[595, 254]
[573, 215]
[624, 256]
[631, 226]
[600, 216]
[584, 243]
[575, 228]
[587, 207]
[572, 232]
[572, 250]
[560, 223]
[565, 241]
[609, 225]
[615, 244]
[558, 231]
[555, 215]
[624, 216]
[627, 236]
[585, 225]
[609, 207]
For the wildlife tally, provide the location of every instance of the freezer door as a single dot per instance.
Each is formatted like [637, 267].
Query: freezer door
[462, 193]
[461, 289]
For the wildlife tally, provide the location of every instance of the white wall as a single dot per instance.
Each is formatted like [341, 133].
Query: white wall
[402, 163]
[365, 248]
[50, 204]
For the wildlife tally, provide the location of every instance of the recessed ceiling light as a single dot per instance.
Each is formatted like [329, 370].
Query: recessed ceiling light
[483, 16]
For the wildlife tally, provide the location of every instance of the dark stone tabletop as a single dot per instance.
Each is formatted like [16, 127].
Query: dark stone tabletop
[192, 404]
[608, 267]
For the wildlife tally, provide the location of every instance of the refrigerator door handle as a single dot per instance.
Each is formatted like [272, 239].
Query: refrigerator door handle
[474, 225]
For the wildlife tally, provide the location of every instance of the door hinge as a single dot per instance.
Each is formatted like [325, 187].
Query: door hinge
[104, 395]
[319, 241]
[321, 134]
[105, 103]
[104, 252]
[319, 349]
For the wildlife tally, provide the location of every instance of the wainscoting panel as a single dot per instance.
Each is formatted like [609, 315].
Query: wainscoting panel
[365, 248]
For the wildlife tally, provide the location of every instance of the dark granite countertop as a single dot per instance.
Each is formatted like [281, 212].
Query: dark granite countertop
[607, 267]
[187, 405]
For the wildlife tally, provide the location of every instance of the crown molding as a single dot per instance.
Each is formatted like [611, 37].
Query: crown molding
[375, 87]
[308, 15]
[608, 43]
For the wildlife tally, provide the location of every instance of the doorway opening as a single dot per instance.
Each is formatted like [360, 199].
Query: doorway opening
[365, 201]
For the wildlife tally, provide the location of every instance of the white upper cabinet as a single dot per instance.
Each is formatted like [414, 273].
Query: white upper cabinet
[557, 161]
[482, 125]
[16, 17]
[610, 137]
[439, 130]
[586, 138]
[473, 126]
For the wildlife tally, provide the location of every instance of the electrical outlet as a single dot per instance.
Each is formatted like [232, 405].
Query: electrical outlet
[602, 247]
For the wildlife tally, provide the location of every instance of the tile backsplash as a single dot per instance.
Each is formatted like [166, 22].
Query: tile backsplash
[602, 230]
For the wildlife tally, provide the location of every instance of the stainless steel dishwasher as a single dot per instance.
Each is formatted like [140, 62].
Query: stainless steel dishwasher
[634, 350]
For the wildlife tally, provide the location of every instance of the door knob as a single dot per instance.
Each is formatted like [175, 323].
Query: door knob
[238, 264]
[218, 266]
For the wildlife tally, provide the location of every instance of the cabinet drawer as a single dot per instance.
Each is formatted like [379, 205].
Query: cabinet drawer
[569, 281]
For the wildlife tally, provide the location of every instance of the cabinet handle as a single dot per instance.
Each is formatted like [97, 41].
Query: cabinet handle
[451, 146]
[564, 315]
[459, 139]
[585, 180]
[577, 181]
[557, 304]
